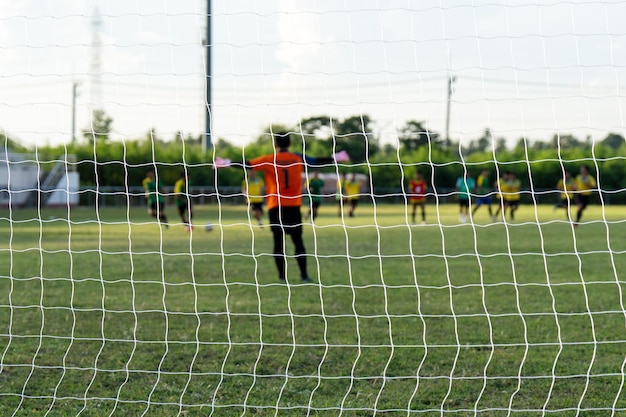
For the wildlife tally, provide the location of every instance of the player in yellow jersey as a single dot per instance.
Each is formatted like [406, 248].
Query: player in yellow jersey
[253, 189]
[512, 198]
[566, 186]
[340, 195]
[502, 187]
[183, 200]
[352, 189]
[585, 185]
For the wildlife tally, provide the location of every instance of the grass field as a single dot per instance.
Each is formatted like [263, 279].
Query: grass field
[108, 314]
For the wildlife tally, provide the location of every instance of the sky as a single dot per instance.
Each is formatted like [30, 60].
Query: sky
[523, 68]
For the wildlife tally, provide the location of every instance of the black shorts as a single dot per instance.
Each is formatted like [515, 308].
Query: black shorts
[256, 206]
[583, 200]
[464, 203]
[182, 207]
[287, 219]
[157, 206]
[315, 204]
[563, 203]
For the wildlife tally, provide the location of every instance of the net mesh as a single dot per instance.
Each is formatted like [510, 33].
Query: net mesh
[493, 288]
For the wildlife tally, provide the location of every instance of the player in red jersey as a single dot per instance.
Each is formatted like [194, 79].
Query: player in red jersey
[417, 195]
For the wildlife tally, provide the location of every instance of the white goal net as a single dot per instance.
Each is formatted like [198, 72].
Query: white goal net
[450, 231]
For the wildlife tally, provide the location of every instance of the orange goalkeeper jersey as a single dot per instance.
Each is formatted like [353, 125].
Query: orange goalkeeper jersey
[283, 178]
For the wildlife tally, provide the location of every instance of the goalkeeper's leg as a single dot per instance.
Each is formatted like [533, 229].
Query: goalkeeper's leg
[279, 242]
[279, 251]
[296, 237]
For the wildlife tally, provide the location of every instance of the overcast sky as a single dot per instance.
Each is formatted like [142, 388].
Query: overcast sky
[524, 68]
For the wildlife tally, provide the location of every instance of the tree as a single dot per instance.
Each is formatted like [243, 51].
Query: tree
[354, 136]
[565, 141]
[483, 144]
[413, 135]
[541, 145]
[486, 141]
[318, 127]
[613, 140]
[264, 143]
[470, 148]
[500, 145]
[521, 144]
[318, 133]
[324, 135]
[100, 127]
[152, 136]
[11, 144]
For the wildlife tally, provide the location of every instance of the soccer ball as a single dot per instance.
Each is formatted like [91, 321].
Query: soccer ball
[208, 227]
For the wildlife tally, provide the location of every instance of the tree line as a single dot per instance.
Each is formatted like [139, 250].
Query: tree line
[539, 164]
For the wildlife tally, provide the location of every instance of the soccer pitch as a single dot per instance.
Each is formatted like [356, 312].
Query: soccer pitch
[108, 313]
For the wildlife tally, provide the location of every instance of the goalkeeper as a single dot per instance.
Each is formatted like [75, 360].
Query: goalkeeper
[283, 182]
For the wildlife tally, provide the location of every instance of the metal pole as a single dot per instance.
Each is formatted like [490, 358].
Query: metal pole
[206, 138]
[74, 94]
[451, 79]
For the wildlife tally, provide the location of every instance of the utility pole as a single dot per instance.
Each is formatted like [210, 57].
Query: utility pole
[207, 142]
[74, 95]
[95, 86]
[451, 80]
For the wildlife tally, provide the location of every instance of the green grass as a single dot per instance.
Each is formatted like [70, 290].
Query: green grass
[108, 314]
